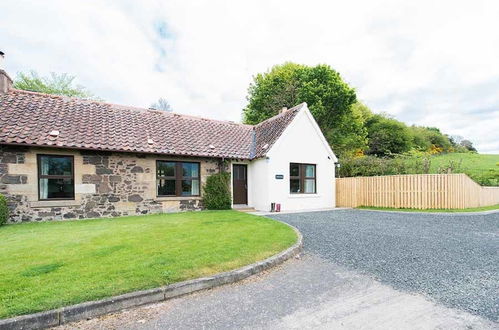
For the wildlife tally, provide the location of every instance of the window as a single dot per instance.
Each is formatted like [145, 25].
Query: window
[302, 178]
[177, 178]
[55, 177]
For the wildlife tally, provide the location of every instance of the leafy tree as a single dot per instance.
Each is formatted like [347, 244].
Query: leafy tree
[57, 84]
[351, 138]
[161, 104]
[468, 145]
[329, 99]
[430, 138]
[387, 136]
[419, 138]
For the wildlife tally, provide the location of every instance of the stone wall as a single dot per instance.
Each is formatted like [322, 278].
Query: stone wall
[106, 185]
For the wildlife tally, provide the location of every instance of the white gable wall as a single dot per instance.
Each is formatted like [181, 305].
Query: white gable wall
[301, 142]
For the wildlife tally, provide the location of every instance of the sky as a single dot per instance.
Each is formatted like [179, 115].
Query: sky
[432, 63]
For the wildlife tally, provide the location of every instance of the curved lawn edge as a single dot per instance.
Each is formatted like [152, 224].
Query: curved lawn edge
[96, 308]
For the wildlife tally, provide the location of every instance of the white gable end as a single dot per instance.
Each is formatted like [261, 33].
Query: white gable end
[304, 124]
[301, 142]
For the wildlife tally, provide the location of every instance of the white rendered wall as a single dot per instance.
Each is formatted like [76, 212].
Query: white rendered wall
[301, 142]
[258, 187]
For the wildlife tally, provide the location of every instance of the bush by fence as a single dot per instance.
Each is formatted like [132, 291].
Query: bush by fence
[419, 191]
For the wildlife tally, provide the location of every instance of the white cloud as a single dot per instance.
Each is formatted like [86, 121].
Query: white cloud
[427, 62]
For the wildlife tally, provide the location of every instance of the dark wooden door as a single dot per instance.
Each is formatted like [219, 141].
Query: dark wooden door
[240, 183]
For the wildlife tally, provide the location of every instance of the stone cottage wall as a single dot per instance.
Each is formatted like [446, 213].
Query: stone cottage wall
[106, 185]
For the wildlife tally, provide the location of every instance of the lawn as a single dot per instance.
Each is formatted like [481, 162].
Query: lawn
[52, 264]
[480, 167]
[473, 209]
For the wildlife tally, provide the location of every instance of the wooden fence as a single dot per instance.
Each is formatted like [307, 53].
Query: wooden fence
[419, 191]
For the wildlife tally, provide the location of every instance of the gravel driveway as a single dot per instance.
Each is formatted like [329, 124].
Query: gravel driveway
[451, 258]
[360, 270]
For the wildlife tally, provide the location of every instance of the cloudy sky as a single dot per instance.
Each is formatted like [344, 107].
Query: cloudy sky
[426, 62]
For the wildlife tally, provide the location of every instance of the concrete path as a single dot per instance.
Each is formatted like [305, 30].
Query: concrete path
[310, 293]
[320, 290]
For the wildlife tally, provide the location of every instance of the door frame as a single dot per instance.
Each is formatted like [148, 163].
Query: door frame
[246, 183]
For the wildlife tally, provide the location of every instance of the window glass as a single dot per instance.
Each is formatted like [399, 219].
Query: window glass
[294, 185]
[302, 178]
[294, 170]
[166, 169]
[310, 171]
[55, 179]
[190, 187]
[56, 188]
[309, 187]
[190, 169]
[177, 179]
[53, 165]
[166, 187]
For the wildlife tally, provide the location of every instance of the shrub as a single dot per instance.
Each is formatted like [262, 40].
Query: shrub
[4, 211]
[217, 192]
[372, 165]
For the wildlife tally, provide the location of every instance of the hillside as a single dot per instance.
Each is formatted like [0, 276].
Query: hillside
[480, 167]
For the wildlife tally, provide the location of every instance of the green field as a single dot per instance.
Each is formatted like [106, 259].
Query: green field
[52, 264]
[480, 167]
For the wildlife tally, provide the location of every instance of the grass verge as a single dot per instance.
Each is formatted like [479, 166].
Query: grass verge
[52, 264]
[473, 209]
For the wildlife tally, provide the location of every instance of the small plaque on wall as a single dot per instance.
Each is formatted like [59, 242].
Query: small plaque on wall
[279, 176]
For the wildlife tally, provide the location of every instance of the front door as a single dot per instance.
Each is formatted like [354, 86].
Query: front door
[240, 183]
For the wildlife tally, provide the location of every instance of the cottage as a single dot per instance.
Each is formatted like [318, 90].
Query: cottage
[63, 158]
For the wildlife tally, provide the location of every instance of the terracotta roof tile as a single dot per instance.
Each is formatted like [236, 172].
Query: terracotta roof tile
[28, 118]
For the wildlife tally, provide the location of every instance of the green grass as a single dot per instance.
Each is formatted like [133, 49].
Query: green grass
[53, 264]
[473, 209]
[480, 167]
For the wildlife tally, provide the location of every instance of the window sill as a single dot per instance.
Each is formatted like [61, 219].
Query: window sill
[304, 196]
[57, 203]
[178, 198]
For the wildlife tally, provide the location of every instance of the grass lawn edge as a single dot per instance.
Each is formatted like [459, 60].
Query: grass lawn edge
[482, 210]
[91, 309]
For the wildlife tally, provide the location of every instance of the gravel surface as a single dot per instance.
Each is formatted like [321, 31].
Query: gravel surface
[451, 258]
[309, 293]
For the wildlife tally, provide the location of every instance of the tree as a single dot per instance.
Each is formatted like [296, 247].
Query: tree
[428, 138]
[387, 136]
[351, 132]
[468, 145]
[57, 84]
[329, 99]
[161, 104]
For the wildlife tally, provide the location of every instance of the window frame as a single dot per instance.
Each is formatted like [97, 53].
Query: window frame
[46, 176]
[302, 177]
[179, 177]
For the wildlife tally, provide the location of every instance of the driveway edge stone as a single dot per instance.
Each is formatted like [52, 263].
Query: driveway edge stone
[96, 308]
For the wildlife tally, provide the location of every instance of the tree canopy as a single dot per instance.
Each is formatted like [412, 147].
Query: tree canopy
[161, 104]
[350, 126]
[57, 84]
[329, 98]
[387, 136]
